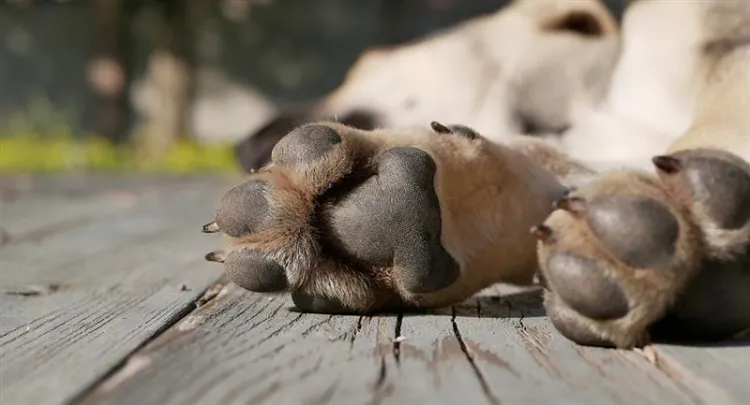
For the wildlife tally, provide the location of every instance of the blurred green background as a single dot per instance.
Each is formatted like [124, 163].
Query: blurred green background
[170, 85]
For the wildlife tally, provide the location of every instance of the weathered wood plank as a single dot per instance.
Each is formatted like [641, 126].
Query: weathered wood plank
[524, 360]
[719, 372]
[434, 367]
[124, 278]
[251, 348]
[119, 274]
[61, 257]
[44, 207]
[82, 184]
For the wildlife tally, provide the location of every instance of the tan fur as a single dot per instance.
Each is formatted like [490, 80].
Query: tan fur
[681, 81]
[492, 192]
[723, 74]
[721, 113]
[479, 185]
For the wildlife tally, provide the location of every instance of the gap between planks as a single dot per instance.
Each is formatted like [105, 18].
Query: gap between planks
[245, 347]
[127, 365]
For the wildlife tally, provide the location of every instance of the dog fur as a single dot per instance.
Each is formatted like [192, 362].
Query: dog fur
[702, 180]
[620, 253]
[479, 73]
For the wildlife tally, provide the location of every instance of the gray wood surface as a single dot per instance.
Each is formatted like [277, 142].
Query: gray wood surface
[250, 348]
[99, 304]
[719, 372]
[77, 301]
[525, 360]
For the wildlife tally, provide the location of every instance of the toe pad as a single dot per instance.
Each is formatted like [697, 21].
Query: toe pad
[253, 271]
[243, 209]
[582, 285]
[305, 145]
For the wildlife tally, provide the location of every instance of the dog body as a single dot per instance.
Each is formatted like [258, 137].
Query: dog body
[529, 68]
[352, 220]
[666, 80]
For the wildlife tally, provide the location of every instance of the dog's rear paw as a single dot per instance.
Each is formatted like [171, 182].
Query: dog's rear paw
[614, 256]
[357, 221]
[715, 186]
[631, 257]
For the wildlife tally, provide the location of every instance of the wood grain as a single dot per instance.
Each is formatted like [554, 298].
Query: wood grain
[120, 280]
[97, 306]
[250, 348]
[41, 207]
[523, 359]
[718, 372]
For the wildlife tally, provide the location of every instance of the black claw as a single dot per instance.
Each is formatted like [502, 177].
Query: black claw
[571, 204]
[217, 256]
[542, 232]
[667, 164]
[440, 128]
[570, 190]
[211, 228]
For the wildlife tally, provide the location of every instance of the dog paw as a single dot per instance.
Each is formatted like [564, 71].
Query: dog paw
[714, 186]
[359, 221]
[614, 256]
[632, 257]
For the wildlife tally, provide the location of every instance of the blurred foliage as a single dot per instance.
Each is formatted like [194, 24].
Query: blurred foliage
[292, 51]
[32, 152]
[42, 137]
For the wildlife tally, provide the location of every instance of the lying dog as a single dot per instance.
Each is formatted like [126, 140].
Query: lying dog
[529, 68]
[350, 220]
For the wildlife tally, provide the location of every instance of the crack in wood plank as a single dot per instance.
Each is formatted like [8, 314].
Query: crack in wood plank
[382, 389]
[396, 340]
[354, 333]
[470, 358]
[513, 329]
[126, 368]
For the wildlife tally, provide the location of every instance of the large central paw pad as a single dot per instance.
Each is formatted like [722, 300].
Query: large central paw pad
[346, 221]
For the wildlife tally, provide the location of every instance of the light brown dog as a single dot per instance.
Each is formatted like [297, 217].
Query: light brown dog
[358, 221]
[350, 220]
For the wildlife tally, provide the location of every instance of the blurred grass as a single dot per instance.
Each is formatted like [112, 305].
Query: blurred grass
[41, 139]
[32, 153]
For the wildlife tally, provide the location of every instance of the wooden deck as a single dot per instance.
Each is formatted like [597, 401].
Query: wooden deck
[106, 299]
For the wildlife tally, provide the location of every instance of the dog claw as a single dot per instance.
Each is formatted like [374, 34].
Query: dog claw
[571, 204]
[440, 128]
[211, 228]
[667, 164]
[542, 232]
[217, 256]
